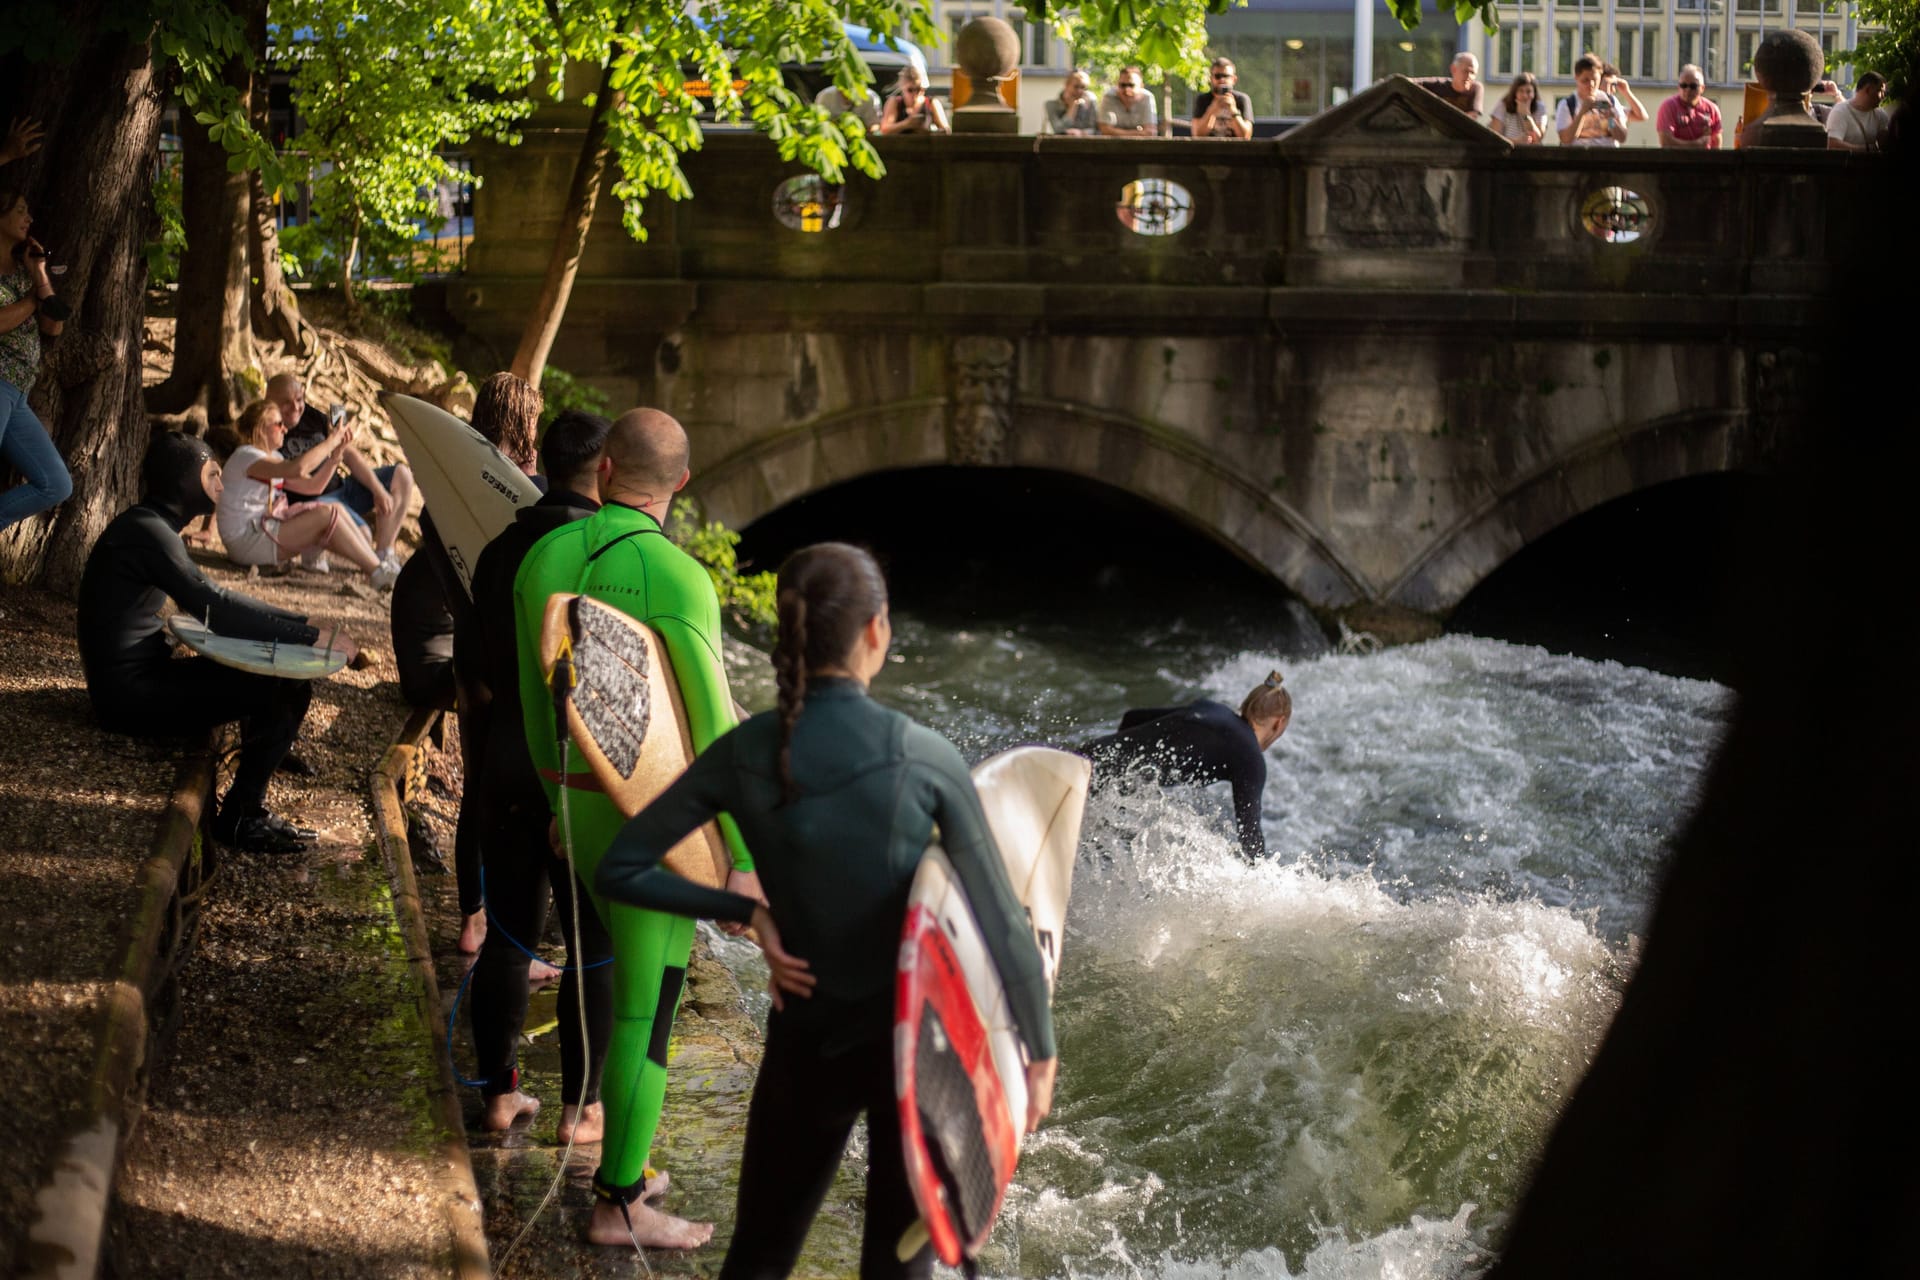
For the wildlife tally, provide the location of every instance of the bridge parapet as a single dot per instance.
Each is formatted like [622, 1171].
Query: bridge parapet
[1382, 353]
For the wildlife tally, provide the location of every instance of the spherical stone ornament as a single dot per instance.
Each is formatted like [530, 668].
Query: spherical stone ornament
[987, 50]
[1789, 63]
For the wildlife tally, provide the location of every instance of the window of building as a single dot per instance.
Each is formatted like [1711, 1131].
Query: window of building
[1756, 6]
[1745, 42]
[1633, 51]
[1572, 42]
[1036, 38]
[1702, 49]
[1517, 49]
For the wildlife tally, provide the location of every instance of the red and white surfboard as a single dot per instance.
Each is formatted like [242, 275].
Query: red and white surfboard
[959, 1070]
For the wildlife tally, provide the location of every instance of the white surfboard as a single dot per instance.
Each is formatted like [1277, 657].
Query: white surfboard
[263, 657]
[471, 490]
[959, 1071]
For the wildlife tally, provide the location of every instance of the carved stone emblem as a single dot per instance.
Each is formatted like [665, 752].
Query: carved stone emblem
[1386, 208]
[1395, 117]
[983, 370]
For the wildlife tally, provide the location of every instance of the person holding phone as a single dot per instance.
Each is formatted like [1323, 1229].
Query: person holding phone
[912, 109]
[1589, 116]
[29, 311]
[1225, 112]
[377, 497]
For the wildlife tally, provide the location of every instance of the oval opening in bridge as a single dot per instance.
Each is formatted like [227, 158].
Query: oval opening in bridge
[808, 202]
[1154, 206]
[1616, 215]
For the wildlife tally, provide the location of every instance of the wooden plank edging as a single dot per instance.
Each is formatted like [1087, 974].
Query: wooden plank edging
[462, 1192]
[64, 1241]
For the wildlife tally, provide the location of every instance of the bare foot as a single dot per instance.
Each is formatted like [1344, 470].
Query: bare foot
[505, 1108]
[539, 971]
[474, 931]
[652, 1228]
[585, 1124]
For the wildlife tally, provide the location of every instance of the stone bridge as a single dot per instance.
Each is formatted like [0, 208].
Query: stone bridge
[1382, 354]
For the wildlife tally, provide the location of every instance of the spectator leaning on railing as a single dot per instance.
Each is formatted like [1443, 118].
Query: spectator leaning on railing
[1224, 112]
[912, 109]
[1074, 113]
[1461, 87]
[1589, 116]
[1127, 110]
[1860, 123]
[1520, 116]
[1689, 118]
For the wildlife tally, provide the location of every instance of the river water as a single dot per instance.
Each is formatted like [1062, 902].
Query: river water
[1341, 1062]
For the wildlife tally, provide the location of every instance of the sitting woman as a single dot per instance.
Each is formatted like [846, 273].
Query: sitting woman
[257, 522]
[1204, 741]
[837, 796]
[1521, 117]
[911, 109]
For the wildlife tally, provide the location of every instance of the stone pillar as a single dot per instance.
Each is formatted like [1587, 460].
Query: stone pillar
[989, 52]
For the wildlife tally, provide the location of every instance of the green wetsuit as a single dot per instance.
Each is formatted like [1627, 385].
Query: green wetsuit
[619, 556]
[836, 864]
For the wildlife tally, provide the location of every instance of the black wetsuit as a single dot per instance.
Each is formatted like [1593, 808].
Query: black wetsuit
[513, 844]
[836, 864]
[1204, 741]
[422, 628]
[138, 687]
[471, 703]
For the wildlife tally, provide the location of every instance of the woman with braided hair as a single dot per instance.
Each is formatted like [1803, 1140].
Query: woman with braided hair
[1204, 741]
[838, 798]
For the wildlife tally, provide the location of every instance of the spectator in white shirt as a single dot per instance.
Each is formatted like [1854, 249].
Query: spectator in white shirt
[1860, 123]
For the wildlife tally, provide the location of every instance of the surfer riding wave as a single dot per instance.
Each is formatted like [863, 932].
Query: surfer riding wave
[1202, 742]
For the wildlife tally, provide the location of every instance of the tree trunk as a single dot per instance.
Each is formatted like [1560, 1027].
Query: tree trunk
[92, 181]
[213, 363]
[346, 269]
[274, 310]
[576, 218]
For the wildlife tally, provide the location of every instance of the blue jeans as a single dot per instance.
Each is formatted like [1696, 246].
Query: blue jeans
[25, 446]
[356, 497]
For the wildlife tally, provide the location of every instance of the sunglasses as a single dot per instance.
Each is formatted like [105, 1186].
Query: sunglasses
[1126, 84]
[1689, 84]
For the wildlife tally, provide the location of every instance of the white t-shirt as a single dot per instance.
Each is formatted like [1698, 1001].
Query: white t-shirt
[244, 502]
[1593, 125]
[1860, 128]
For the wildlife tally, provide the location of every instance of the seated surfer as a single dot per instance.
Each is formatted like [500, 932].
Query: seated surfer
[838, 797]
[515, 852]
[1204, 741]
[261, 526]
[138, 687]
[620, 557]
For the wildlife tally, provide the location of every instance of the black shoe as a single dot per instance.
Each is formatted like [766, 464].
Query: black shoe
[277, 823]
[257, 833]
[297, 765]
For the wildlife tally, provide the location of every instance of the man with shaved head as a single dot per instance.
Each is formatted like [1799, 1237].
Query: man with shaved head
[620, 556]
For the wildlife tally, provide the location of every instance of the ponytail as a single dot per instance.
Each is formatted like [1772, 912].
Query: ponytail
[790, 674]
[1268, 701]
[826, 593]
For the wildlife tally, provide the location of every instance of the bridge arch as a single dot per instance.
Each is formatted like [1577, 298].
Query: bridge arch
[1135, 457]
[1675, 447]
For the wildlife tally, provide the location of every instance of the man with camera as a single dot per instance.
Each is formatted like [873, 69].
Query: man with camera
[1589, 116]
[1225, 112]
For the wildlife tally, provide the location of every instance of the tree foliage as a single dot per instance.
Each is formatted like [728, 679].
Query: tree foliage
[1894, 49]
[382, 88]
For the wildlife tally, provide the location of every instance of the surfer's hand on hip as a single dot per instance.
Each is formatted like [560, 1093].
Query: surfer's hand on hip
[1040, 1090]
[788, 974]
[747, 885]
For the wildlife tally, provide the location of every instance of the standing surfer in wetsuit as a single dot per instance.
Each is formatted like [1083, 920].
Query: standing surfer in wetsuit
[1204, 741]
[621, 557]
[838, 797]
[515, 852]
[136, 685]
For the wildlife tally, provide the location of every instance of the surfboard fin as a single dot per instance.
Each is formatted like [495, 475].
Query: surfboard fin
[912, 1240]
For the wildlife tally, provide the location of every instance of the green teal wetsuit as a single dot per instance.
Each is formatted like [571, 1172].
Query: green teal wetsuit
[837, 863]
[619, 556]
